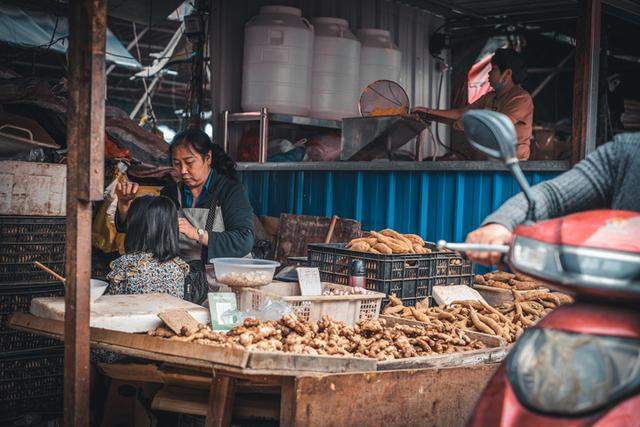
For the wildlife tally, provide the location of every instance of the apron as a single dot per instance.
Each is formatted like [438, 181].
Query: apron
[196, 285]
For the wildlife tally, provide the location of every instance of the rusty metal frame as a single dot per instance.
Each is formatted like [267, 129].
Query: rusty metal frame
[85, 183]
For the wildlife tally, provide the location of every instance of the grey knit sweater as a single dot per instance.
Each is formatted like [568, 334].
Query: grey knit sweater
[607, 178]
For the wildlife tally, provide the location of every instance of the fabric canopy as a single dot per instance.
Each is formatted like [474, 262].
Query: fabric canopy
[39, 29]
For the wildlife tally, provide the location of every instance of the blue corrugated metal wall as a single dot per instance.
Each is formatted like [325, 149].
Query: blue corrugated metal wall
[436, 205]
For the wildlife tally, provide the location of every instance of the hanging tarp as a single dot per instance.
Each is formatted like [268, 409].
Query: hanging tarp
[42, 30]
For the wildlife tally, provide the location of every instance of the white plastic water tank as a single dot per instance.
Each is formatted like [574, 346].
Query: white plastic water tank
[276, 73]
[380, 58]
[335, 81]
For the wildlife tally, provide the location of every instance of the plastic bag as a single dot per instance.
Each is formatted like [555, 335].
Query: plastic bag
[274, 310]
[324, 147]
[103, 232]
[271, 309]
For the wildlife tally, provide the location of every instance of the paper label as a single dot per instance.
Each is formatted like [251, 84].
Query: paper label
[445, 295]
[309, 279]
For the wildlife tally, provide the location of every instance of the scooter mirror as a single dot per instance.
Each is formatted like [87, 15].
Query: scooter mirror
[491, 133]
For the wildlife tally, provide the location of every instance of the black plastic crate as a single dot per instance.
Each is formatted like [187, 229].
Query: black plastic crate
[24, 240]
[410, 276]
[32, 229]
[18, 298]
[31, 382]
[12, 341]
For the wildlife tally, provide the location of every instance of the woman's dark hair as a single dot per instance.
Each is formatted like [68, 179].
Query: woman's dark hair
[506, 59]
[202, 144]
[152, 226]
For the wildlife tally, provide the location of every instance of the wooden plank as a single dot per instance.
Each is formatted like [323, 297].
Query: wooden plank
[425, 397]
[176, 320]
[585, 79]
[181, 400]
[186, 400]
[220, 401]
[85, 183]
[177, 360]
[288, 403]
[300, 362]
[468, 358]
[180, 376]
[138, 344]
[148, 372]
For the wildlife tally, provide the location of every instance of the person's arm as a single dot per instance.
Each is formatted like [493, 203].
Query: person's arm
[443, 116]
[453, 116]
[125, 192]
[588, 185]
[237, 214]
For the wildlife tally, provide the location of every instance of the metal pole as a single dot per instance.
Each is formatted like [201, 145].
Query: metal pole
[550, 77]
[264, 135]
[144, 97]
[585, 83]
[85, 183]
[225, 131]
[129, 46]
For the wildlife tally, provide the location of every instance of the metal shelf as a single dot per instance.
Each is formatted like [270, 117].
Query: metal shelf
[286, 119]
[265, 118]
[410, 166]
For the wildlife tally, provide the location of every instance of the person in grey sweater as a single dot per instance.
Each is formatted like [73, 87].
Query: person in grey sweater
[608, 178]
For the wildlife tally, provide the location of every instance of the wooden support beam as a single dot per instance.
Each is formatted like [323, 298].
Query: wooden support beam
[85, 183]
[221, 399]
[585, 81]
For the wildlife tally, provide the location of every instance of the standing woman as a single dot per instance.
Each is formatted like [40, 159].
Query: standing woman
[216, 218]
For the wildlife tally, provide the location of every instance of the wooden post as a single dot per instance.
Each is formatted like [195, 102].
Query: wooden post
[585, 81]
[85, 182]
[221, 399]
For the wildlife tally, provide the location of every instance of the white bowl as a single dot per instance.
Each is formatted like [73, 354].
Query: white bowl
[97, 289]
[244, 272]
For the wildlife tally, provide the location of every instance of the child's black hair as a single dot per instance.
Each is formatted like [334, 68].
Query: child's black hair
[202, 144]
[507, 59]
[152, 226]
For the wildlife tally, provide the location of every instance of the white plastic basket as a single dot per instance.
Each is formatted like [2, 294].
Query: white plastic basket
[347, 308]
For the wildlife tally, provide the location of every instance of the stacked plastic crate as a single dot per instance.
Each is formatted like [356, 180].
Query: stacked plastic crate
[31, 366]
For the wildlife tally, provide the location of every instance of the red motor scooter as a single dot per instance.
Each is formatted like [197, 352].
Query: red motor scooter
[580, 365]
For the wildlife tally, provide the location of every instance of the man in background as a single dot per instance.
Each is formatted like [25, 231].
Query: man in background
[508, 71]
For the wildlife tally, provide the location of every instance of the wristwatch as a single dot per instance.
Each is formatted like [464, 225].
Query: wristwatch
[200, 235]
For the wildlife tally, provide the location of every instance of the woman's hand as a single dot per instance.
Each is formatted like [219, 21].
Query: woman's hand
[185, 227]
[126, 192]
[492, 234]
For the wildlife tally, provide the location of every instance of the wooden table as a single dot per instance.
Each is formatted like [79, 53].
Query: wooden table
[349, 392]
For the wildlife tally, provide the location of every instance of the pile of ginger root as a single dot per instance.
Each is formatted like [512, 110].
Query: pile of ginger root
[370, 338]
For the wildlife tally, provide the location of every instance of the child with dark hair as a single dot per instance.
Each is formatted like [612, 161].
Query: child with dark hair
[216, 218]
[151, 263]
